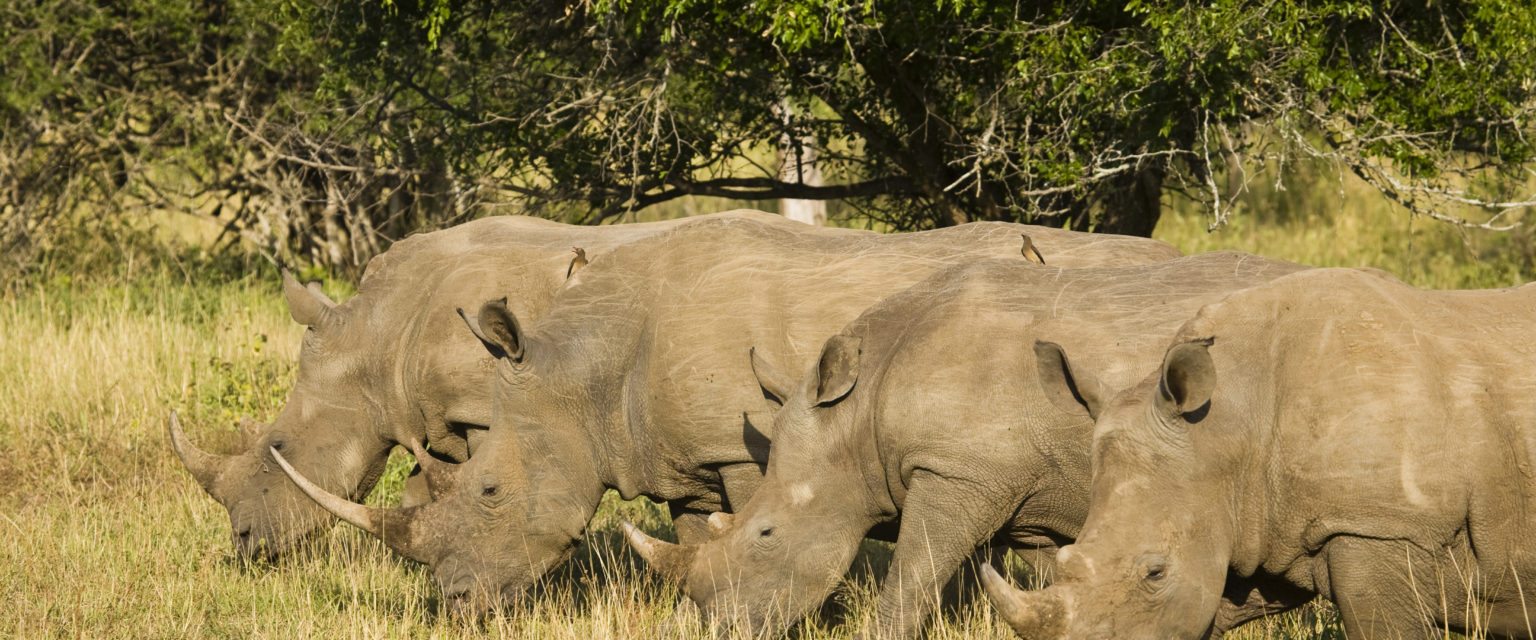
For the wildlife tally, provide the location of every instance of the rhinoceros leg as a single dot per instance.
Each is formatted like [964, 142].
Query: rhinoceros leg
[1247, 599]
[942, 523]
[740, 481]
[1369, 580]
[692, 527]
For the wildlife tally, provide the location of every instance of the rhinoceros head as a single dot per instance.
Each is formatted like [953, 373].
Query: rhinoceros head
[1152, 558]
[505, 517]
[785, 550]
[316, 431]
[487, 534]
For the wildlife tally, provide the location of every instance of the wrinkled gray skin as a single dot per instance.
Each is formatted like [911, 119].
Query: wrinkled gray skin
[928, 409]
[1344, 435]
[640, 380]
[392, 365]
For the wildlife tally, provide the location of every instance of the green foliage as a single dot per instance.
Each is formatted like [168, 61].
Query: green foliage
[1322, 220]
[935, 113]
[247, 386]
[111, 112]
[323, 131]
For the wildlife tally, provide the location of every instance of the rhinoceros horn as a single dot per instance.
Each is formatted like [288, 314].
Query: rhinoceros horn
[393, 526]
[671, 561]
[440, 475]
[1039, 615]
[719, 523]
[205, 467]
[250, 430]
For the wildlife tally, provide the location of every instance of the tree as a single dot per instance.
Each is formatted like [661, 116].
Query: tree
[218, 109]
[323, 131]
[938, 113]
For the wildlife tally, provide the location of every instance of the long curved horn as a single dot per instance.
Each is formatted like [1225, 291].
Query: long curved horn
[672, 561]
[1034, 616]
[393, 526]
[441, 476]
[205, 467]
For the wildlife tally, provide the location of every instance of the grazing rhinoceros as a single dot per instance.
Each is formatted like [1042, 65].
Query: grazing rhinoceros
[639, 380]
[394, 364]
[1334, 432]
[928, 409]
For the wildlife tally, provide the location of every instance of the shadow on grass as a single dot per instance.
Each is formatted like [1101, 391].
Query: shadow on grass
[607, 589]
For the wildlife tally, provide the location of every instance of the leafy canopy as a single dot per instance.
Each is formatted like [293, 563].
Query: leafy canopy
[940, 112]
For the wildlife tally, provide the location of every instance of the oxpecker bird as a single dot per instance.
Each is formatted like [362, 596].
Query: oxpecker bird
[577, 262]
[1030, 252]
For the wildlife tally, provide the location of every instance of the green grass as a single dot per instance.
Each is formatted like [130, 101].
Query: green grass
[1320, 221]
[104, 534]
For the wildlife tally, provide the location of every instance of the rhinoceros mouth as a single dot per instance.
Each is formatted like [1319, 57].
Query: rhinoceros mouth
[272, 546]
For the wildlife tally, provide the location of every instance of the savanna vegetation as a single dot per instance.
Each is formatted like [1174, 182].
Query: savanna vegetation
[157, 158]
[105, 534]
[322, 131]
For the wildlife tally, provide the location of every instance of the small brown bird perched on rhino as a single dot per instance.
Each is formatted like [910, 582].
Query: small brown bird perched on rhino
[577, 262]
[1029, 251]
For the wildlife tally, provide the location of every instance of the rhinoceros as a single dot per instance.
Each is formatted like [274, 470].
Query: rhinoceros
[927, 409]
[640, 380]
[1335, 432]
[393, 365]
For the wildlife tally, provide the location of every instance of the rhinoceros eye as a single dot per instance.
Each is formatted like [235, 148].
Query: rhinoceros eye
[765, 540]
[488, 491]
[1153, 568]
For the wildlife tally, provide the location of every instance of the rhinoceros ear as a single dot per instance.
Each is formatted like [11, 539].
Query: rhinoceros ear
[497, 328]
[1070, 390]
[1189, 378]
[307, 305]
[838, 369]
[776, 386]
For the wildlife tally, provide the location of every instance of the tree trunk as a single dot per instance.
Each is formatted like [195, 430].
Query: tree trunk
[797, 164]
[801, 168]
[1130, 204]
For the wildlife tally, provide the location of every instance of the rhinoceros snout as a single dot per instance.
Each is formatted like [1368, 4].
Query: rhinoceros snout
[254, 547]
[471, 605]
[459, 606]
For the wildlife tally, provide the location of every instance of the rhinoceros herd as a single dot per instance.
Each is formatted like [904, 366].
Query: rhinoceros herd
[1185, 443]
